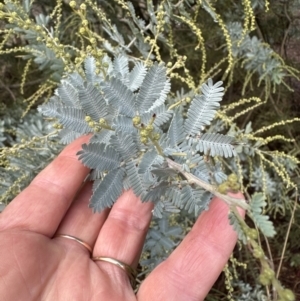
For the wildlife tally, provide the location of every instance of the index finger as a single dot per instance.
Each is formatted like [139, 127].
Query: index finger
[43, 204]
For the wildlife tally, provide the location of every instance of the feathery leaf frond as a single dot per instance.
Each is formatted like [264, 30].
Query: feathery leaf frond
[123, 124]
[107, 191]
[92, 102]
[121, 70]
[149, 159]
[73, 119]
[262, 221]
[90, 69]
[203, 107]
[135, 179]
[136, 76]
[99, 156]
[67, 136]
[124, 145]
[51, 108]
[117, 94]
[153, 85]
[215, 145]
[195, 200]
[68, 94]
[176, 131]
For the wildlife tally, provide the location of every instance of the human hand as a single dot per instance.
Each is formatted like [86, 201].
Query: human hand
[35, 265]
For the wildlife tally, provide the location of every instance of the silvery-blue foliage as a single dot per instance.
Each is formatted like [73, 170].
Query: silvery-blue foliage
[118, 152]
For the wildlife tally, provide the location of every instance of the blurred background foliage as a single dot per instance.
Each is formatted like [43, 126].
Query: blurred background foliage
[30, 71]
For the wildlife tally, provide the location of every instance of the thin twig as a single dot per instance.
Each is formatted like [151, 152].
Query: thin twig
[287, 236]
[8, 90]
[194, 180]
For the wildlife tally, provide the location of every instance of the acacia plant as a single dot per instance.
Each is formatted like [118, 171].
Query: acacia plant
[154, 111]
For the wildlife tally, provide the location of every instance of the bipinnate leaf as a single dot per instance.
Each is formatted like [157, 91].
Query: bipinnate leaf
[194, 200]
[237, 227]
[262, 221]
[135, 179]
[124, 145]
[76, 80]
[120, 68]
[51, 108]
[107, 191]
[203, 107]
[92, 102]
[68, 94]
[176, 131]
[67, 136]
[146, 165]
[90, 69]
[215, 145]
[99, 156]
[153, 88]
[161, 115]
[123, 124]
[73, 119]
[118, 95]
[136, 76]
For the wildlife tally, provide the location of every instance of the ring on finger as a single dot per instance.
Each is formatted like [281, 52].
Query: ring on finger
[131, 272]
[87, 246]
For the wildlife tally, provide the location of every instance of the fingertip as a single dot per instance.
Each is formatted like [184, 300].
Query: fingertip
[76, 145]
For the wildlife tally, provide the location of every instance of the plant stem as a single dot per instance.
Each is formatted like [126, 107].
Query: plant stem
[231, 201]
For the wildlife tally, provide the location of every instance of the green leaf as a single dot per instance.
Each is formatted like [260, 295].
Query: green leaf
[194, 200]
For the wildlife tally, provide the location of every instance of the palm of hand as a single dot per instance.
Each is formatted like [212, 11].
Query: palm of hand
[36, 266]
[50, 269]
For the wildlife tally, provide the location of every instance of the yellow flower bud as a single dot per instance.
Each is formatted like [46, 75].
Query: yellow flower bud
[137, 119]
[102, 121]
[232, 178]
[144, 133]
[144, 140]
[72, 4]
[223, 188]
[85, 23]
[149, 128]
